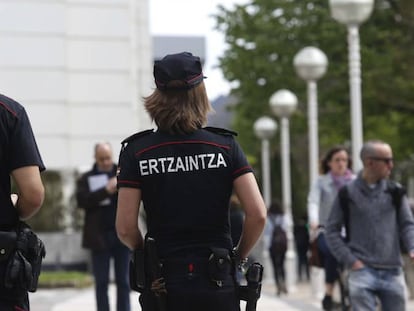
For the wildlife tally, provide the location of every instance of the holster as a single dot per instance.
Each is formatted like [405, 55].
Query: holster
[153, 274]
[251, 292]
[24, 259]
[137, 271]
[145, 277]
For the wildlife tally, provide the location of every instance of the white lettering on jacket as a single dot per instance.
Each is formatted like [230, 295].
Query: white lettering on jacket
[182, 164]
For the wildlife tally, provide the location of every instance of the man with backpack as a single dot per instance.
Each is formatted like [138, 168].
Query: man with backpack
[375, 214]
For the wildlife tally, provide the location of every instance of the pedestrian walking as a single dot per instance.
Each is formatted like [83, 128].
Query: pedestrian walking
[277, 223]
[336, 169]
[375, 213]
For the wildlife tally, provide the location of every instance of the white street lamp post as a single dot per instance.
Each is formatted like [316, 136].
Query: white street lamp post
[265, 128]
[283, 103]
[310, 64]
[352, 13]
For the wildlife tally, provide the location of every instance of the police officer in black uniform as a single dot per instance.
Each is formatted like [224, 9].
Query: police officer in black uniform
[184, 174]
[20, 159]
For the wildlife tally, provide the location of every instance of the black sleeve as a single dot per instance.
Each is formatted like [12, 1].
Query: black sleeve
[23, 147]
[240, 164]
[128, 173]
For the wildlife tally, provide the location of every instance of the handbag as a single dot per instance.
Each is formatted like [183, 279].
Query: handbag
[315, 258]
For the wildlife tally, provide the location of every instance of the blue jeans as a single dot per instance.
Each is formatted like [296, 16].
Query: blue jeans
[100, 265]
[330, 264]
[367, 284]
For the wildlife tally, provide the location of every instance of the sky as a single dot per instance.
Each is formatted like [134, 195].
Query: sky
[192, 18]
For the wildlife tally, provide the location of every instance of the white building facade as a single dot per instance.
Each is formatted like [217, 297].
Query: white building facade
[80, 68]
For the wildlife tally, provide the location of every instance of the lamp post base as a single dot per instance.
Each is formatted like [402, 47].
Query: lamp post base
[290, 268]
[317, 282]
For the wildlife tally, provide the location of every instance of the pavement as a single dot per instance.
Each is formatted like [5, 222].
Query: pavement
[70, 299]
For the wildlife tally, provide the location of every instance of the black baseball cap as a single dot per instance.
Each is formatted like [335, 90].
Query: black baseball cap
[183, 67]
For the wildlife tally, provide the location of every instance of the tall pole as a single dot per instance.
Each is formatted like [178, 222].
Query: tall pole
[264, 128]
[287, 203]
[355, 94]
[311, 64]
[266, 172]
[313, 131]
[283, 103]
[317, 275]
[352, 13]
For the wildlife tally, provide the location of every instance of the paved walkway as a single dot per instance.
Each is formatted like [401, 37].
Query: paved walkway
[83, 300]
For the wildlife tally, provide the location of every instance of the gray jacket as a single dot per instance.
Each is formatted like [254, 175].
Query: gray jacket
[374, 231]
[320, 199]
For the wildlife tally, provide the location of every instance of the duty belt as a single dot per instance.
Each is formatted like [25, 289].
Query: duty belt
[184, 266]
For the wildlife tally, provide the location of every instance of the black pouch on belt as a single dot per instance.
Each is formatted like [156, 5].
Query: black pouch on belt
[219, 265]
[7, 244]
[25, 261]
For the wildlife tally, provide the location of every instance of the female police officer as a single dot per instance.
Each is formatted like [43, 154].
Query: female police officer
[185, 175]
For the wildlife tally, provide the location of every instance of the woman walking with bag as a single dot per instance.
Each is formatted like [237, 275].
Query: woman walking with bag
[336, 169]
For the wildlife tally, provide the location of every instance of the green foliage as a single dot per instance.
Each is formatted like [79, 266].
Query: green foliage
[53, 279]
[263, 36]
[50, 216]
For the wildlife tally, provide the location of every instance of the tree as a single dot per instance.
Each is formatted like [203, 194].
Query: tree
[264, 35]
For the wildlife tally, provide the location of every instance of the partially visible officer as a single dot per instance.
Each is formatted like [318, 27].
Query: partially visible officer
[374, 222]
[184, 174]
[96, 193]
[20, 159]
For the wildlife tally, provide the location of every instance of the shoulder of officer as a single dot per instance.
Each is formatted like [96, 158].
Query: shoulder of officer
[136, 136]
[220, 131]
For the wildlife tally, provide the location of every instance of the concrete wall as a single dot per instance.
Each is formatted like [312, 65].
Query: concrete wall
[80, 68]
[64, 251]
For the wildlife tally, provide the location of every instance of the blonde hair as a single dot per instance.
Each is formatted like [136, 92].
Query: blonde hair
[177, 110]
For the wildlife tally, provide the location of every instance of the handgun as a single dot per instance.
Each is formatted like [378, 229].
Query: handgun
[251, 292]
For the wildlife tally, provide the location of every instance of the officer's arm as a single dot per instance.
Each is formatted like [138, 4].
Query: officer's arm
[30, 190]
[127, 228]
[248, 192]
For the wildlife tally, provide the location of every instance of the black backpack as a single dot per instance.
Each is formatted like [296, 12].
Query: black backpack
[278, 240]
[394, 189]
